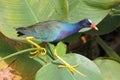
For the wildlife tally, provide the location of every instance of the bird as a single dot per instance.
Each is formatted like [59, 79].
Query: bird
[53, 31]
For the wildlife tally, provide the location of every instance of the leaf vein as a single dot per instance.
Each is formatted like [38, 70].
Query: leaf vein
[36, 19]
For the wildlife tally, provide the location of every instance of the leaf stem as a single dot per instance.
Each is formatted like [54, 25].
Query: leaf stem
[19, 52]
[31, 10]
[108, 49]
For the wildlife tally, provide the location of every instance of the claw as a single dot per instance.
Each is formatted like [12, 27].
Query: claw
[68, 66]
[33, 56]
[71, 68]
[35, 52]
[76, 65]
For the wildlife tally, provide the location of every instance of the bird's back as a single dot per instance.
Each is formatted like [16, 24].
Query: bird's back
[47, 31]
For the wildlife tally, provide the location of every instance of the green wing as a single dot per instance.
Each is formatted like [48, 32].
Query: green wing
[46, 31]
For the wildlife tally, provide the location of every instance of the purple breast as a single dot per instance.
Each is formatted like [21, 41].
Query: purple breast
[63, 34]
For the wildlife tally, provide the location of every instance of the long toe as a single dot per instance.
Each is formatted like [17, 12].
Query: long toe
[33, 56]
[72, 69]
[76, 65]
[35, 52]
[43, 51]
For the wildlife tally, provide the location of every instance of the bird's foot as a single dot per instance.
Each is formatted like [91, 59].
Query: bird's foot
[34, 54]
[68, 66]
[37, 52]
[72, 69]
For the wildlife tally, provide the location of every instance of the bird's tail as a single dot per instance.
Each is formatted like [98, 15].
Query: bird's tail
[20, 31]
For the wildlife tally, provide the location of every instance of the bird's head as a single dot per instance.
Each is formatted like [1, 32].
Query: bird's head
[88, 23]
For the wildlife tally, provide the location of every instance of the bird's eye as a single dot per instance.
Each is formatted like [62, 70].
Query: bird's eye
[87, 24]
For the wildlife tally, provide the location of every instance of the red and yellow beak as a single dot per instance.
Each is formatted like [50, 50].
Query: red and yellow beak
[92, 26]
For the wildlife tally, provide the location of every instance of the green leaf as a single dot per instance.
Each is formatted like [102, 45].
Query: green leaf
[87, 67]
[50, 50]
[95, 10]
[61, 49]
[17, 13]
[116, 11]
[110, 69]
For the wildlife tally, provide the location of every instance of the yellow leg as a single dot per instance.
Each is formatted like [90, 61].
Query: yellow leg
[68, 66]
[37, 52]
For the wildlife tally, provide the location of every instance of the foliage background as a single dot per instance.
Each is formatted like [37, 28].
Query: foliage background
[105, 14]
